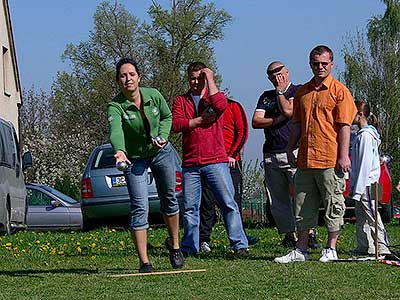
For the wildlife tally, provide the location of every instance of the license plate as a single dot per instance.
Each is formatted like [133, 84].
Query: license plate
[118, 181]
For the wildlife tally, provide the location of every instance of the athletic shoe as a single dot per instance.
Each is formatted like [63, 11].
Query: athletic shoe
[205, 247]
[312, 241]
[241, 253]
[289, 241]
[175, 255]
[146, 268]
[176, 258]
[252, 240]
[328, 254]
[292, 256]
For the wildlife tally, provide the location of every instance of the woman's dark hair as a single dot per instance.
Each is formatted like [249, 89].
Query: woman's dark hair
[122, 62]
[364, 108]
[195, 66]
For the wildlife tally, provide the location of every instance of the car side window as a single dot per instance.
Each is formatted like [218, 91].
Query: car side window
[2, 146]
[104, 159]
[17, 149]
[37, 198]
[4, 149]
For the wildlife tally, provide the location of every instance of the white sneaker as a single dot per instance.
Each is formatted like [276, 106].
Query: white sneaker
[328, 254]
[292, 256]
[205, 247]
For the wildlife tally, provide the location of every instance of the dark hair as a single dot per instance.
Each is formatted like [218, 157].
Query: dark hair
[364, 108]
[195, 66]
[122, 62]
[319, 50]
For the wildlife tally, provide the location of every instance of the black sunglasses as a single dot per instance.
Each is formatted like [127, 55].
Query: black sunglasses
[317, 63]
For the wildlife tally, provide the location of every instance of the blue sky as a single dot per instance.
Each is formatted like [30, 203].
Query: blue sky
[261, 31]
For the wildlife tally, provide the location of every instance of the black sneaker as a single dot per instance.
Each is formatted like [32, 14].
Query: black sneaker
[312, 241]
[241, 253]
[252, 240]
[146, 268]
[176, 258]
[289, 241]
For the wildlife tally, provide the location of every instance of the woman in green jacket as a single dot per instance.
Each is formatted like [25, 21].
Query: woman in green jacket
[140, 122]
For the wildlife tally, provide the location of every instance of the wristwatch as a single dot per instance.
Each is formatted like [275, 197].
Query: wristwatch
[278, 92]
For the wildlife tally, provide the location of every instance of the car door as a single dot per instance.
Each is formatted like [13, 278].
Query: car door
[42, 214]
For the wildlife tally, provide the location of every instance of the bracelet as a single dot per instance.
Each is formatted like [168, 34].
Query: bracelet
[280, 92]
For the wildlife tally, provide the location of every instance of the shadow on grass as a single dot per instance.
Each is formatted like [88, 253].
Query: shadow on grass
[37, 273]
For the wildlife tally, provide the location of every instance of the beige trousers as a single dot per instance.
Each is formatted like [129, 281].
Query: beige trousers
[365, 226]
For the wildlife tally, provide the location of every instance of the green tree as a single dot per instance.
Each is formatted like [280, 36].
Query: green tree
[175, 36]
[372, 73]
[179, 35]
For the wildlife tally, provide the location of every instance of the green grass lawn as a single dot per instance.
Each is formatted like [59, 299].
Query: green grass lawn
[75, 265]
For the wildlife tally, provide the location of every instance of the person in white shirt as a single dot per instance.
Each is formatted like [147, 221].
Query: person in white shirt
[365, 172]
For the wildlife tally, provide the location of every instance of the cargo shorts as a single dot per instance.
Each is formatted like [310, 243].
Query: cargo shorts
[315, 188]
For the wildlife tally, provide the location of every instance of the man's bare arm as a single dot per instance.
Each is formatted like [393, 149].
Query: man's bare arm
[343, 161]
[259, 121]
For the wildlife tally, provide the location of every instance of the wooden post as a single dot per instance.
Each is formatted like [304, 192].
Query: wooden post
[159, 273]
[376, 199]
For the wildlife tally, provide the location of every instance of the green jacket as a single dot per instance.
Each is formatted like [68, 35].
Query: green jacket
[127, 132]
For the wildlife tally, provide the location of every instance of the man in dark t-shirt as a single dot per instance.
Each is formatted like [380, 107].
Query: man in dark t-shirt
[273, 114]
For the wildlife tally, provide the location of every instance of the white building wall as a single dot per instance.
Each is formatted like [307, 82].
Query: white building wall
[10, 97]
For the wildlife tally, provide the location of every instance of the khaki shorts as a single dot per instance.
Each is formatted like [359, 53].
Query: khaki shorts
[319, 187]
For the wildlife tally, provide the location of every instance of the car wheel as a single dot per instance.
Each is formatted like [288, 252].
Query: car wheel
[7, 230]
[88, 224]
[386, 212]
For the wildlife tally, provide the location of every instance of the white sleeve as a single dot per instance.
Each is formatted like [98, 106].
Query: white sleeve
[361, 165]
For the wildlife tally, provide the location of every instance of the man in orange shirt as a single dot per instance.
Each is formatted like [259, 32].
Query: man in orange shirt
[323, 110]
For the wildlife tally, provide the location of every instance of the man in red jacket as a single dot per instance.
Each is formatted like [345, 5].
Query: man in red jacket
[235, 132]
[197, 114]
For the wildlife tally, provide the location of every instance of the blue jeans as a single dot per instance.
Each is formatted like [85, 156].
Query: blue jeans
[220, 182]
[163, 167]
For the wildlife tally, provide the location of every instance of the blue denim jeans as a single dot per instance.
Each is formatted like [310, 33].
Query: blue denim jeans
[163, 167]
[220, 182]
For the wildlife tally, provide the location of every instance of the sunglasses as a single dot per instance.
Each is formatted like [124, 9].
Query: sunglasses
[317, 63]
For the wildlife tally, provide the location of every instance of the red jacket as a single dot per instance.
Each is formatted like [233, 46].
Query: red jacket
[235, 129]
[205, 144]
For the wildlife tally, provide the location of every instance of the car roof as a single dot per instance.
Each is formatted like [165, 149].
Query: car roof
[104, 146]
[34, 185]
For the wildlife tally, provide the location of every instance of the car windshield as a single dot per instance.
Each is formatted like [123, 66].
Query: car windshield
[104, 159]
[64, 197]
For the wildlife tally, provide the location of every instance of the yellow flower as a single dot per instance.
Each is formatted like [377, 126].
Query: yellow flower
[122, 243]
[8, 244]
[93, 245]
[60, 252]
[79, 249]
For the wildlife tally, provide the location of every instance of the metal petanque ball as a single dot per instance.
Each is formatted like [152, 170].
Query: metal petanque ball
[158, 139]
[122, 165]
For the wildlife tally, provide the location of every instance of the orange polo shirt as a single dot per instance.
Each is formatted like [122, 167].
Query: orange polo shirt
[319, 113]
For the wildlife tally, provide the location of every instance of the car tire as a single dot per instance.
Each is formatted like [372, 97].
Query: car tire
[88, 224]
[386, 212]
[7, 229]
